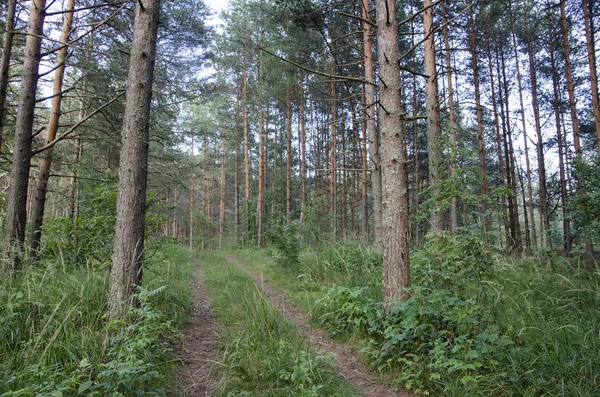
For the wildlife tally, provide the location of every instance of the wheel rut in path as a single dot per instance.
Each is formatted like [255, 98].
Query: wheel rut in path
[200, 336]
[348, 365]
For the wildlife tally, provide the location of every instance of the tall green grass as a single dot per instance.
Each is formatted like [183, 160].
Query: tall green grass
[55, 338]
[263, 353]
[478, 323]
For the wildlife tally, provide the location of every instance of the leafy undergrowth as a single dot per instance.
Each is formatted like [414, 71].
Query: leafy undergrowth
[262, 352]
[476, 323]
[55, 339]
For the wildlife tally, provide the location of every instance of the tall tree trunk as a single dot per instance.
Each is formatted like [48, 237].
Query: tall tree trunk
[246, 142]
[16, 209]
[236, 172]
[452, 119]
[302, 148]
[371, 127]
[503, 180]
[482, 164]
[433, 113]
[4, 66]
[364, 222]
[394, 187]
[288, 168]
[561, 149]
[39, 202]
[588, 18]
[222, 195]
[575, 124]
[524, 126]
[126, 271]
[516, 243]
[192, 188]
[543, 193]
[416, 163]
[333, 157]
[260, 211]
[74, 192]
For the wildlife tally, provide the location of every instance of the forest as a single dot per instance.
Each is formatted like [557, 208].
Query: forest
[299, 198]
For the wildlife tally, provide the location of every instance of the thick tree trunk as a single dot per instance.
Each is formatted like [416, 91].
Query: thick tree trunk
[39, 202]
[591, 50]
[126, 272]
[394, 187]
[16, 209]
[433, 114]
[4, 66]
[478, 110]
[533, 242]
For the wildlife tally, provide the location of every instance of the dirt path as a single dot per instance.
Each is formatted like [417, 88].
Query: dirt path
[200, 336]
[348, 365]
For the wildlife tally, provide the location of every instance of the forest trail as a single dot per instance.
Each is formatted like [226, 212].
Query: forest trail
[200, 336]
[348, 364]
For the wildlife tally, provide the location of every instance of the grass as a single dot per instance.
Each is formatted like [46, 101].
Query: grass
[55, 339]
[263, 353]
[540, 314]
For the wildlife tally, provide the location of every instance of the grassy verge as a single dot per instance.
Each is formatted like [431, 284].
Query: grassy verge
[476, 324]
[55, 339]
[262, 352]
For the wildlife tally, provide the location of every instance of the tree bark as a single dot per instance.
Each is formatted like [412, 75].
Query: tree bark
[433, 113]
[4, 66]
[39, 202]
[16, 209]
[126, 272]
[394, 187]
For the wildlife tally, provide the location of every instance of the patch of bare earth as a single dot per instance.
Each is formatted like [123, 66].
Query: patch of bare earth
[349, 367]
[200, 336]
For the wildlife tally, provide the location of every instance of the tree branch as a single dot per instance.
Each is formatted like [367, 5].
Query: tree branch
[75, 126]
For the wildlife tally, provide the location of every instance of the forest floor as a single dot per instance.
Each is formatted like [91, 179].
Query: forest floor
[198, 346]
[346, 359]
